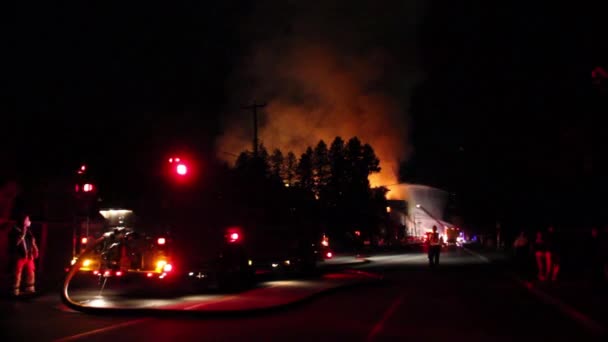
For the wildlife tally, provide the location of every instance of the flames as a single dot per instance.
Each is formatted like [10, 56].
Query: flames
[324, 76]
[322, 96]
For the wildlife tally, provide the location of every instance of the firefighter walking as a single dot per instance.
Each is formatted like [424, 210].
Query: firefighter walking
[434, 243]
[23, 252]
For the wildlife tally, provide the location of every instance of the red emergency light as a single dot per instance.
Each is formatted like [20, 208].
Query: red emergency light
[181, 169]
[234, 237]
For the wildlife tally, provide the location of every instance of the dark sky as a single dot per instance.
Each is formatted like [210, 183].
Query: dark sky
[499, 117]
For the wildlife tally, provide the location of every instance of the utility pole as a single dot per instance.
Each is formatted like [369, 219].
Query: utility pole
[254, 109]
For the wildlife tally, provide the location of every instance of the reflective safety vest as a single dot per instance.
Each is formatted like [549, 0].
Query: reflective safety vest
[434, 239]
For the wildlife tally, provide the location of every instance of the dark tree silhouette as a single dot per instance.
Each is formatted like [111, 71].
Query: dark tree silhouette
[305, 171]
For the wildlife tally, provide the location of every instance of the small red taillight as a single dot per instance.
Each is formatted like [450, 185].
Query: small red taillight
[329, 255]
[161, 241]
[84, 240]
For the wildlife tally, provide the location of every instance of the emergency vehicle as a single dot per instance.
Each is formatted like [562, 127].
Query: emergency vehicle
[118, 250]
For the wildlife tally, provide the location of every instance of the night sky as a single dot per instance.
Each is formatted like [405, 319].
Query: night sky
[501, 116]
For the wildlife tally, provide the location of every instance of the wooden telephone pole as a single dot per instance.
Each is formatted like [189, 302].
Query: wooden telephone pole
[254, 109]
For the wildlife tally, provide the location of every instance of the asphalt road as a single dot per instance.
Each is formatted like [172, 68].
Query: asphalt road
[464, 299]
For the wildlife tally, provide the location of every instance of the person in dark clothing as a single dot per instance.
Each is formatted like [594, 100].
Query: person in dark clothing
[434, 243]
[540, 250]
[521, 248]
[23, 251]
[553, 254]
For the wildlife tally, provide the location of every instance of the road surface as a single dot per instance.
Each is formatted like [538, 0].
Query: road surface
[466, 298]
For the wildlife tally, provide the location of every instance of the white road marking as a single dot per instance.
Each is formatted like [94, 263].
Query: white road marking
[102, 330]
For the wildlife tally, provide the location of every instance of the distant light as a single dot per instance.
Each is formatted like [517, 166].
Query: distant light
[83, 168]
[73, 261]
[77, 188]
[234, 237]
[181, 169]
[149, 275]
[357, 232]
[287, 262]
[160, 264]
[249, 262]
[161, 241]
[86, 263]
[275, 265]
[177, 160]
[84, 240]
[118, 273]
[87, 187]
[96, 272]
[167, 268]
[191, 274]
[107, 214]
[106, 273]
[170, 160]
[287, 185]
[388, 209]
[329, 255]
[417, 205]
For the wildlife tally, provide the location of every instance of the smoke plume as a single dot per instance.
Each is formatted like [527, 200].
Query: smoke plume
[325, 70]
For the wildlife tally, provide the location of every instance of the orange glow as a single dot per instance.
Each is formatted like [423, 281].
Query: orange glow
[334, 100]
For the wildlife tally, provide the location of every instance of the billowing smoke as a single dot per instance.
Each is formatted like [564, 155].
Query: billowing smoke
[332, 69]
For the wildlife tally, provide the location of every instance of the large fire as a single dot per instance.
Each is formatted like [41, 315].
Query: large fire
[318, 95]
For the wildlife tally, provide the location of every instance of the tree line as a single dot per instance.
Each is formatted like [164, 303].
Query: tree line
[328, 185]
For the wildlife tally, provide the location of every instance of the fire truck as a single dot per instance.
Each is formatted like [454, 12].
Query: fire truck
[117, 249]
[201, 257]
